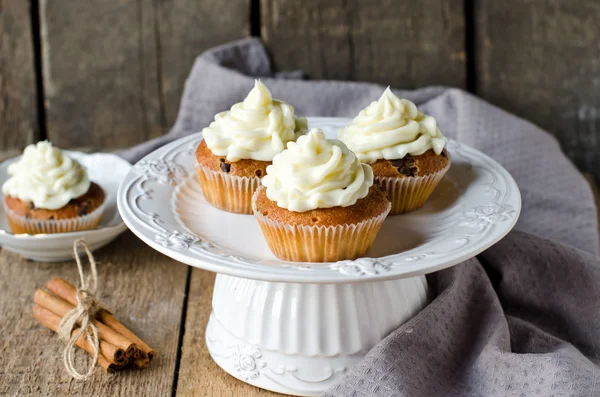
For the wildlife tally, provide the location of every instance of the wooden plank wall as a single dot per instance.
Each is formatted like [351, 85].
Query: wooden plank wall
[18, 95]
[114, 70]
[401, 43]
[540, 59]
[110, 73]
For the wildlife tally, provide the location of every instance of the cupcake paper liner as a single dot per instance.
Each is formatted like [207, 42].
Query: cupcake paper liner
[303, 243]
[20, 224]
[410, 193]
[227, 192]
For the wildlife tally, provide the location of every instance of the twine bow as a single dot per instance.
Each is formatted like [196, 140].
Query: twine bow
[81, 317]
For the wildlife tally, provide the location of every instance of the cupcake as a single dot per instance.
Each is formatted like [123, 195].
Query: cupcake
[240, 144]
[49, 192]
[318, 203]
[404, 147]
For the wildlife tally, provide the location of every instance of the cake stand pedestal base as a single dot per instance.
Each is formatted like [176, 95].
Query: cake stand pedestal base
[300, 339]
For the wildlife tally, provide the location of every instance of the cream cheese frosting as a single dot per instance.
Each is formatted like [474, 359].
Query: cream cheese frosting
[315, 172]
[257, 128]
[46, 177]
[391, 128]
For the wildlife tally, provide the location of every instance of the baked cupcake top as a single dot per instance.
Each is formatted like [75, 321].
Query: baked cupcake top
[257, 128]
[46, 177]
[391, 128]
[315, 172]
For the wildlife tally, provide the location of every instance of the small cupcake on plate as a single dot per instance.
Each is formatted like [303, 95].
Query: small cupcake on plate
[50, 192]
[318, 202]
[404, 147]
[240, 144]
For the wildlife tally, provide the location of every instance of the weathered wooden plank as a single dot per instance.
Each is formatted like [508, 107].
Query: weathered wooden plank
[186, 29]
[114, 70]
[144, 289]
[100, 72]
[18, 92]
[541, 60]
[198, 373]
[402, 43]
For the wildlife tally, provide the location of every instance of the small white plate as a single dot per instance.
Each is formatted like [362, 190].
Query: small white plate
[474, 206]
[107, 170]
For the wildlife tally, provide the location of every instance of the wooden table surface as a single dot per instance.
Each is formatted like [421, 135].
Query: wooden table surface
[164, 302]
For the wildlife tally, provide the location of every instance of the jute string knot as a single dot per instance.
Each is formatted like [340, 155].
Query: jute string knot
[82, 316]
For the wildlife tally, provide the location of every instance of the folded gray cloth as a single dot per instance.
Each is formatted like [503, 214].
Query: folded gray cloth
[522, 318]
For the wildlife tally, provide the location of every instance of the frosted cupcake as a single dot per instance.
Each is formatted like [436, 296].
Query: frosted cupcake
[240, 144]
[50, 192]
[404, 147]
[318, 203]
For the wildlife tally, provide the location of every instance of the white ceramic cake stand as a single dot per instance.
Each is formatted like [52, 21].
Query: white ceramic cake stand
[296, 328]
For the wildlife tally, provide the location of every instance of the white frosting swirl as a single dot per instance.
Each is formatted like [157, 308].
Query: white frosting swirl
[315, 172]
[391, 128]
[46, 177]
[256, 129]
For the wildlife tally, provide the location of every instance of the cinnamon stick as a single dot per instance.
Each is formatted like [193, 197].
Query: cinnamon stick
[61, 307]
[142, 362]
[52, 321]
[68, 292]
[106, 358]
[108, 319]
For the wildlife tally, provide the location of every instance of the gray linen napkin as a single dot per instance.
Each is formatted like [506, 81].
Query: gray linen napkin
[521, 319]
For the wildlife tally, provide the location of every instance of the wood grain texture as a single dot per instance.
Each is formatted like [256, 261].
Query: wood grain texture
[541, 60]
[199, 375]
[18, 92]
[186, 28]
[144, 289]
[401, 43]
[100, 72]
[114, 70]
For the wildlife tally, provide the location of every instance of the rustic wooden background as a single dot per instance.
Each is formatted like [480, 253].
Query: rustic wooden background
[109, 73]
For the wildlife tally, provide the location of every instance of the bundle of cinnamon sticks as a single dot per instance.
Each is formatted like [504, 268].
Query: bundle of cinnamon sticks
[119, 347]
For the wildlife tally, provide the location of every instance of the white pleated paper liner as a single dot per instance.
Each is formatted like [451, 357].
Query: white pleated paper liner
[410, 193]
[227, 192]
[304, 243]
[20, 224]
